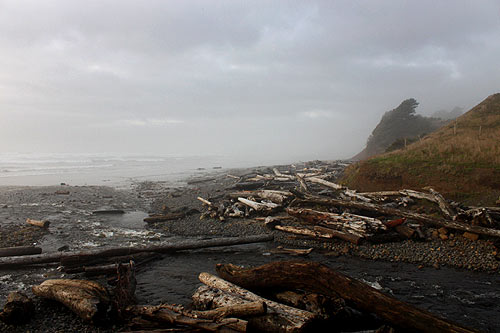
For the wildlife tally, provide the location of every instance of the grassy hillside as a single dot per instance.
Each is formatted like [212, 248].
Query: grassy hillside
[461, 159]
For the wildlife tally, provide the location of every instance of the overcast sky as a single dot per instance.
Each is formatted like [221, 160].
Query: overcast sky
[288, 79]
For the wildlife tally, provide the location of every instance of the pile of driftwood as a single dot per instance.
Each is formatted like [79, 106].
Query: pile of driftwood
[276, 297]
[308, 202]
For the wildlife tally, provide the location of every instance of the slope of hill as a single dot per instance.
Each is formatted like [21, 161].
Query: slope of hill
[461, 159]
[398, 125]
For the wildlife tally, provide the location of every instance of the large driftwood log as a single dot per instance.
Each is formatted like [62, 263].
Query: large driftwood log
[124, 251]
[169, 316]
[320, 232]
[249, 309]
[275, 196]
[258, 206]
[105, 265]
[315, 277]
[434, 196]
[347, 236]
[382, 210]
[18, 310]
[88, 299]
[19, 251]
[207, 298]
[351, 223]
[443, 205]
[292, 319]
[323, 182]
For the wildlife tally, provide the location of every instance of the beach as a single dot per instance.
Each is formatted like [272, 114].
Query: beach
[456, 278]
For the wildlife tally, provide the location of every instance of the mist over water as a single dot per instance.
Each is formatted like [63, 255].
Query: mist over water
[39, 169]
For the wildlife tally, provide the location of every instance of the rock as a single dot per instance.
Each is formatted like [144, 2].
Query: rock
[471, 236]
[18, 310]
[443, 236]
[63, 248]
[443, 231]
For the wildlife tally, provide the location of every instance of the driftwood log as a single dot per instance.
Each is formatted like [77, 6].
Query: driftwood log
[320, 232]
[88, 299]
[167, 315]
[164, 217]
[350, 223]
[315, 277]
[258, 206]
[249, 309]
[19, 251]
[124, 251]
[38, 223]
[289, 319]
[382, 210]
[207, 298]
[275, 196]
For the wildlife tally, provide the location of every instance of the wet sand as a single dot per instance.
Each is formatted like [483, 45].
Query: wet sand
[458, 281]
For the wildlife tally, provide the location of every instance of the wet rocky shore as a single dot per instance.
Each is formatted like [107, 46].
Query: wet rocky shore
[454, 276]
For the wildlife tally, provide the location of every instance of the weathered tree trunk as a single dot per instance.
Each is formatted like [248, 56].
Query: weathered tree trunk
[396, 212]
[258, 206]
[38, 223]
[296, 320]
[350, 223]
[171, 317]
[443, 205]
[320, 232]
[324, 183]
[96, 265]
[84, 256]
[207, 298]
[93, 270]
[19, 251]
[18, 310]
[315, 277]
[249, 309]
[275, 196]
[347, 236]
[87, 299]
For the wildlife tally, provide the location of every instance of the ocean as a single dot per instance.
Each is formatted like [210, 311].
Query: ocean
[117, 170]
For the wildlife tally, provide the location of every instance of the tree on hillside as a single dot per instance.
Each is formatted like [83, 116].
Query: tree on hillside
[399, 123]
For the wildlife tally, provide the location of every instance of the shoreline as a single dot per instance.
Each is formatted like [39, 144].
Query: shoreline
[74, 225]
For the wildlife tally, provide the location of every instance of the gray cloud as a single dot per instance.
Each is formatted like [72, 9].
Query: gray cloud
[308, 79]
